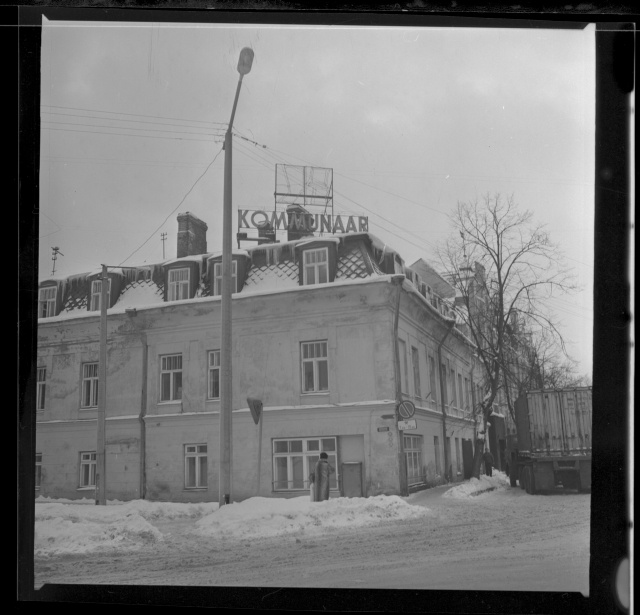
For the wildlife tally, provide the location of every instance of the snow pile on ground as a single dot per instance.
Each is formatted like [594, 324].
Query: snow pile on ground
[261, 517]
[68, 526]
[475, 486]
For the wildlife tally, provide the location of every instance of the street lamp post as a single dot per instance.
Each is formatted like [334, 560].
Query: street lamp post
[226, 388]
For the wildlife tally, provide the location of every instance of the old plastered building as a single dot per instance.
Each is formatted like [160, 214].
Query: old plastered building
[328, 331]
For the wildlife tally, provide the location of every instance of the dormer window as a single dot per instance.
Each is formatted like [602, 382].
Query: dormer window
[178, 284]
[96, 295]
[315, 266]
[47, 302]
[217, 278]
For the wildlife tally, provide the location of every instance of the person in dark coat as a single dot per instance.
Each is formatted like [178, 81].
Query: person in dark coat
[488, 463]
[321, 476]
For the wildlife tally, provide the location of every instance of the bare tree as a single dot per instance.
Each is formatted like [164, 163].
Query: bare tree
[504, 268]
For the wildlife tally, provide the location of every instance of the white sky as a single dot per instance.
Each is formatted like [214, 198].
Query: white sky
[411, 120]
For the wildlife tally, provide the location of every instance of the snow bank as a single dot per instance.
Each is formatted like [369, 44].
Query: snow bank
[475, 486]
[64, 527]
[261, 517]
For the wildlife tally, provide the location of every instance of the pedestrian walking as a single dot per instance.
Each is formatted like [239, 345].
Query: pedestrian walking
[321, 474]
[488, 463]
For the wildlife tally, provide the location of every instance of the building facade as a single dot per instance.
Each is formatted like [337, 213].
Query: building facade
[329, 332]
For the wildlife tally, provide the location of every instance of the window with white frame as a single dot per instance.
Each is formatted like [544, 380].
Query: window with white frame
[432, 380]
[217, 278]
[178, 284]
[460, 392]
[315, 266]
[96, 295]
[444, 387]
[213, 377]
[415, 363]
[467, 393]
[413, 455]
[294, 459]
[452, 382]
[38, 470]
[436, 447]
[89, 385]
[88, 469]
[41, 384]
[404, 376]
[315, 367]
[171, 377]
[47, 302]
[195, 466]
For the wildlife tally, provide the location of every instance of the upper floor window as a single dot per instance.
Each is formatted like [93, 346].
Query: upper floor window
[171, 377]
[432, 378]
[415, 362]
[96, 295]
[47, 302]
[404, 375]
[315, 367]
[40, 387]
[315, 266]
[460, 392]
[89, 385]
[178, 284]
[217, 278]
[213, 388]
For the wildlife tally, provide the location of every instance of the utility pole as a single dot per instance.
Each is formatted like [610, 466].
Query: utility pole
[54, 257]
[101, 485]
[163, 238]
[226, 386]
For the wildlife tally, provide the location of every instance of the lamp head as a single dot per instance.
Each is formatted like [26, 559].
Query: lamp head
[245, 61]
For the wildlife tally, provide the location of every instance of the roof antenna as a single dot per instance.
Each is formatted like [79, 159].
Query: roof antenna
[54, 257]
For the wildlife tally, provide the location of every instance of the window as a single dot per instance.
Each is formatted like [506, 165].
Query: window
[88, 469]
[458, 458]
[40, 388]
[445, 375]
[415, 361]
[96, 295]
[171, 377]
[413, 455]
[467, 392]
[294, 460]
[213, 388]
[315, 266]
[315, 367]
[404, 377]
[47, 302]
[432, 380]
[178, 284]
[217, 278]
[436, 446]
[452, 382]
[447, 444]
[38, 470]
[89, 385]
[460, 392]
[195, 466]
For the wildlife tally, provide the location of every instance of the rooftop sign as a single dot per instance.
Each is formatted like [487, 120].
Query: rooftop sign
[282, 220]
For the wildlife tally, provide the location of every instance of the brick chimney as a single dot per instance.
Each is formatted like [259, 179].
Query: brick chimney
[192, 235]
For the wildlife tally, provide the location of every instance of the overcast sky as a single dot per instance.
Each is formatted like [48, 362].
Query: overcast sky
[411, 120]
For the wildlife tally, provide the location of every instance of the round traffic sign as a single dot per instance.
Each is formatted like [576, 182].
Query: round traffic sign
[406, 409]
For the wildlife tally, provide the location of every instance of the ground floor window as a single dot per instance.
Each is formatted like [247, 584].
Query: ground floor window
[458, 458]
[436, 446]
[87, 469]
[195, 466]
[413, 455]
[38, 469]
[295, 459]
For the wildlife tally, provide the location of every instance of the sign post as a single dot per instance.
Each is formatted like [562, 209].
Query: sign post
[255, 407]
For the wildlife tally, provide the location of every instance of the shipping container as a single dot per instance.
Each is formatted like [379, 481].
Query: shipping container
[552, 444]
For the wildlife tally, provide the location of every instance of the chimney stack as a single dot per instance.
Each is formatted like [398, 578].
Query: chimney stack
[192, 235]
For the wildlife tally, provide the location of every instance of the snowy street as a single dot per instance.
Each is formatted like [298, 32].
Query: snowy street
[480, 535]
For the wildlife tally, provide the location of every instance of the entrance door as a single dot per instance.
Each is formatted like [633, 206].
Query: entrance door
[351, 474]
[467, 458]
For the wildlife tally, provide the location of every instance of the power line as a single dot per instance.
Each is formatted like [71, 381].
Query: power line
[124, 134]
[221, 133]
[174, 210]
